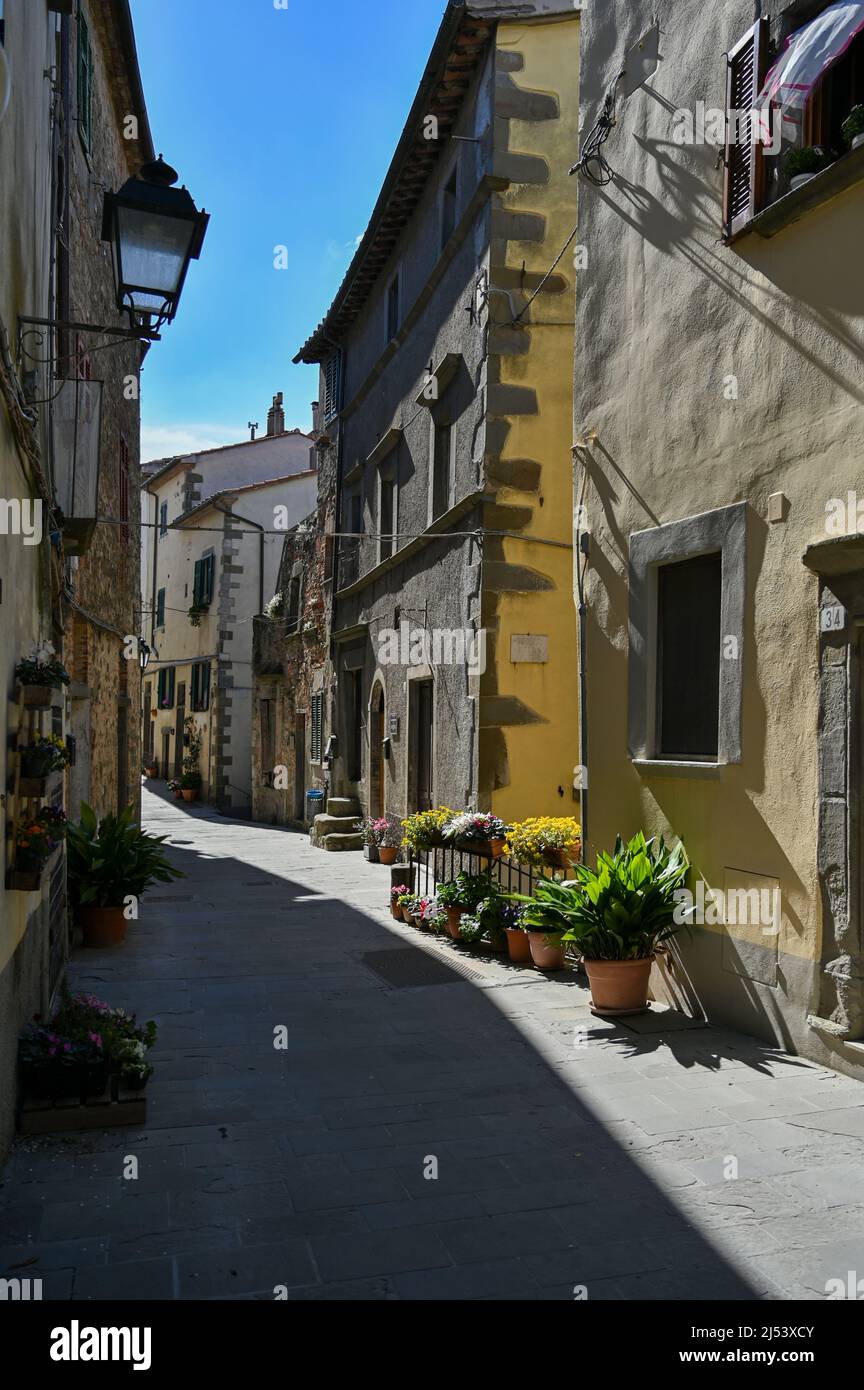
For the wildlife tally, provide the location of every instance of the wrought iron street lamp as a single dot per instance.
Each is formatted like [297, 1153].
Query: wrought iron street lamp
[155, 230]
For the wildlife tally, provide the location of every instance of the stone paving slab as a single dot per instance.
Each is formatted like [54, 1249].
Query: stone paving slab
[483, 1138]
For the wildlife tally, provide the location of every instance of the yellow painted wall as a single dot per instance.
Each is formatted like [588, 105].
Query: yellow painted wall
[543, 757]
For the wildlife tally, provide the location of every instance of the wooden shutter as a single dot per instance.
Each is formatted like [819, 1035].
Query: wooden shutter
[123, 490]
[204, 692]
[207, 573]
[331, 386]
[743, 183]
[160, 608]
[172, 674]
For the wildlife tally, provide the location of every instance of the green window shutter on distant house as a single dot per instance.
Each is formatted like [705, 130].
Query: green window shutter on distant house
[202, 588]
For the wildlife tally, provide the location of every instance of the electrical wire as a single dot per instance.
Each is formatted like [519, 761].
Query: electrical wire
[592, 163]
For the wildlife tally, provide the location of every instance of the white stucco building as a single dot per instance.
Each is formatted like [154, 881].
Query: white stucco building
[214, 532]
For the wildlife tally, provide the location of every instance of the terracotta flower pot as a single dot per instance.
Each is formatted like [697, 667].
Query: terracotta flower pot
[562, 858]
[190, 794]
[454, 917]
[178, 795]
[151, 771]
[619, 986]
[518, 945]
[102, 926]
[387, 854]
[406, 916]
[395, 911]
[546, 957]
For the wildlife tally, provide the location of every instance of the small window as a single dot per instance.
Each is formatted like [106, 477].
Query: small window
[166, 689]
[449, 204]
[160, 608]
[332, 386]
[163, 519]
[316, 743]
[394, 317]
[85, 82]
[386, 543]
[442, 468]
[355, 522]
[688, 657]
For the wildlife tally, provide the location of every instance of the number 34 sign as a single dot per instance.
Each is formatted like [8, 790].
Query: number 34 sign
[833, 619]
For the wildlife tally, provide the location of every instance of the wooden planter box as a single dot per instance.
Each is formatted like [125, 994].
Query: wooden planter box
[33, 786]
[116, 1106]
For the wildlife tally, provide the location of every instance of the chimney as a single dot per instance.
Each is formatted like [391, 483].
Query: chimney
[316, 418]
[276, 417]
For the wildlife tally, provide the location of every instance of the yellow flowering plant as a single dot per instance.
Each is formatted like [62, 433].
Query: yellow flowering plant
[535, 840]
[424, 829]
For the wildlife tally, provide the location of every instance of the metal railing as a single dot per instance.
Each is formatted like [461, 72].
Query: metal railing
[429, 868]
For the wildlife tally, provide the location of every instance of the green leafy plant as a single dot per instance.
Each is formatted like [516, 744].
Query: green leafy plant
[621, 910]
[853, 124]
[113, 858]
[191, 780]
[43, 668]
[465, 891]
[809, 160]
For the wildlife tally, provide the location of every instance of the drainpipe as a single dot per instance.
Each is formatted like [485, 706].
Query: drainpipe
[582, 549]
[154, 586]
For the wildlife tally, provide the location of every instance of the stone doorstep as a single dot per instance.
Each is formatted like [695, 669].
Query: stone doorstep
[343, 808]
[340, 843]
[336, 825]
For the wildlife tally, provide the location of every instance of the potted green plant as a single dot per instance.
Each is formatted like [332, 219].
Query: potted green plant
[853, 128]
[190, 784]
[405, 903]
[617, 914]
[111, 862]
[801, 165]
[518, 942]
[39, 675]
[397, 893]
[372, 830]
[390, 841]
[462, 894]
[425, 829]
[151, 770]
[176, 788]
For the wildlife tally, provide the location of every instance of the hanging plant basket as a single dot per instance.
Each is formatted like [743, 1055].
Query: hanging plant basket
[40, 696]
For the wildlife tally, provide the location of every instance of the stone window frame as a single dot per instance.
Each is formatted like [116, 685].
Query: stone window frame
[723, 530]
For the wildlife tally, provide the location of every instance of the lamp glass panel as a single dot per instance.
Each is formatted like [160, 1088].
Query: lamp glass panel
[154, 251]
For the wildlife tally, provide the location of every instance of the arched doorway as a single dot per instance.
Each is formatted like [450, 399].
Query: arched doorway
[376, 752]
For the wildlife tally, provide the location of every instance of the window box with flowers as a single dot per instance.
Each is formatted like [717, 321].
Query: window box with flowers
[35, 842]
[553, 842]
[41, 678]
[39, 759]
[478, 833]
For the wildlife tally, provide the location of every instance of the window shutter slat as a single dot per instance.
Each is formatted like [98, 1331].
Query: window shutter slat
[746, 66]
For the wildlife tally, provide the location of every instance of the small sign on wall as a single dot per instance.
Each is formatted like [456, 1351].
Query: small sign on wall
[833, 619]
[529, 648]
[394, 725]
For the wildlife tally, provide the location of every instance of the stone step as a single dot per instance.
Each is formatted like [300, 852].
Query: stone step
[336, 825]
[336, 844]
[340, 807]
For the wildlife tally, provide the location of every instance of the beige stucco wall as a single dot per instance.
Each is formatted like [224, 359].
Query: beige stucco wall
[667, 317]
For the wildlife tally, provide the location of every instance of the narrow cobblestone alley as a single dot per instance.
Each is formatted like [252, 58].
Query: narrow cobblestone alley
[602, 1167]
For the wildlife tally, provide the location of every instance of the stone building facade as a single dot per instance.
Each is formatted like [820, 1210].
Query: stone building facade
[719, 414]
[446, 390]
[292, 712]
[65, 136]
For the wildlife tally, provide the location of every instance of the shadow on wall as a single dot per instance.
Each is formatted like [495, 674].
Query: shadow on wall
[507, 1126]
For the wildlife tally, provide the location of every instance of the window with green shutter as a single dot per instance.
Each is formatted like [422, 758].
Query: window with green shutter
[85, 81]
[316, 746]
[201, 686]
[202, 586]
[160, 608]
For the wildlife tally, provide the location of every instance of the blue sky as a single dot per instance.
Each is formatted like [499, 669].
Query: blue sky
[281, 122]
